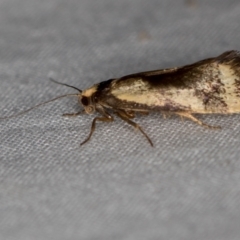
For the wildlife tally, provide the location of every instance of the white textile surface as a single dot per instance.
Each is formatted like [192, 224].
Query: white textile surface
[116, 186]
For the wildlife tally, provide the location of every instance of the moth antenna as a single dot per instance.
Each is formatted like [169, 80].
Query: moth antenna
[38, 105]
[64, 84]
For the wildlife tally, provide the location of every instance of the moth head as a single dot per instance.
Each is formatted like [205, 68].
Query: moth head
[87, 99]
[87, 103]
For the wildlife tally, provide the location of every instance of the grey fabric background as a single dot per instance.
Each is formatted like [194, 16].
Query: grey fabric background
[116, 186]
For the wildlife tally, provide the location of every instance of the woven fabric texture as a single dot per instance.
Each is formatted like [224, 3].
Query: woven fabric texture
[116, 186]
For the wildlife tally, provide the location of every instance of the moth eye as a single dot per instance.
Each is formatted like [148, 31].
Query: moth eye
[84, 101]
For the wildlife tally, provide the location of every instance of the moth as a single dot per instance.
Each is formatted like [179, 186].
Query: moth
[210, 86]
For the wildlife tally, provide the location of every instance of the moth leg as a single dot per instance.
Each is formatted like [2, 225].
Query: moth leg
[106, 118]
[191, 117]
[124, 117]
[144, 113]
[130, 114]
[73, 114]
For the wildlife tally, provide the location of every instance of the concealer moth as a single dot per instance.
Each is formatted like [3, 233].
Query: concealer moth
[210, 86]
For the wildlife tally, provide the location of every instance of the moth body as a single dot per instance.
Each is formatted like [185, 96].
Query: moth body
[208, 86]
[205, 87]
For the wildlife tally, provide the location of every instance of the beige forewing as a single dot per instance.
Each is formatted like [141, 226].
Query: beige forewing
[209, 86]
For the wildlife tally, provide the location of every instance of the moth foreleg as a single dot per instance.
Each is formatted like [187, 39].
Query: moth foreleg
[124, 117]
[131, 114]
[191, 117]
[107, 118]
[73, 114]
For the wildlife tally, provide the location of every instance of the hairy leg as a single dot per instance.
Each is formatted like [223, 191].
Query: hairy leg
[191, 117]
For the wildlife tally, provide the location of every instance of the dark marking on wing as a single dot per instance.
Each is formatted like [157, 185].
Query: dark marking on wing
[172, 106]
[237, 87]
[232, 56]
[104, 86]
[186, 75]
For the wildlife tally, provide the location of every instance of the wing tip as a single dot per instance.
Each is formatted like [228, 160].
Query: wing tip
[228, 56]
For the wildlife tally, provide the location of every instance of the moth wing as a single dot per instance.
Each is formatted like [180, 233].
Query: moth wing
[202, 87]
